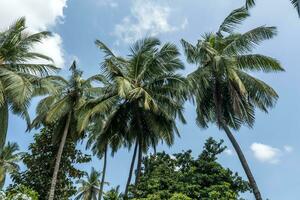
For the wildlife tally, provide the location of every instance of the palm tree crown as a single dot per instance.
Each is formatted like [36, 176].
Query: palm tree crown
[225, 92]
[8, 161]
[224, 89]
[20, 79]
[89, 188]
[142, 96]
[61, 109]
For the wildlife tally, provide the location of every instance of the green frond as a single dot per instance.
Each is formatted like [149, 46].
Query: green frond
[108, 53]
[190, 51]
[246, 42]
[256, 62]
[59, 110]
[250, 3]
[236, 17]
[296, 4]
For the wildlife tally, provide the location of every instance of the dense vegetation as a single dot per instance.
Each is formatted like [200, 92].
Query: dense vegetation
[39, 164]
[134, 102]
[164, 176]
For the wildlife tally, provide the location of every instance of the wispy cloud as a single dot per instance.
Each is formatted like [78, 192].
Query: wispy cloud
[229, 152]
[148, 18]
[268, 154]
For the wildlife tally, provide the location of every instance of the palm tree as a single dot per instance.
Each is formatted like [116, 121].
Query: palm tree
[19, 76]
[61, 109]
[113, 194]
[89, 188]
[225, 93]
[143, 96]
[8, 161]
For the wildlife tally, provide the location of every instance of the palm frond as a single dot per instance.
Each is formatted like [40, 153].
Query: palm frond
[246, 42]
[236, 17]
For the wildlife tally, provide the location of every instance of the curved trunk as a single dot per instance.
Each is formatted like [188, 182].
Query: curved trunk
[244, 163]
[103, 174]
[58, 158]
[131, 169]
[139, 162]
[3, 124]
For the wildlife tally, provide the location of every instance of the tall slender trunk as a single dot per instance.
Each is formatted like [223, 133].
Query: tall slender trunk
[131, 169]
[103, 174]
[58, 157]
[243, 162]
[3, 124]
[139, 162]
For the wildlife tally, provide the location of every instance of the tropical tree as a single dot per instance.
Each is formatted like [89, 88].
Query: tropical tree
[204, 178]
[89, 188]
[61, 110]
[39, 166]
[100, 146]
[143, 97]
[20, 77]
[8, 161]
[113, 194]
[225, 93]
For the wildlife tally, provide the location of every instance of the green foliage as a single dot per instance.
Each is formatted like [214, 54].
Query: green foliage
[224, 90]
[113, 194]
[20, 78]
[181, 176]
[8, 161]
[89, 187]
[21, 192]
[178, 196]
[40, 163]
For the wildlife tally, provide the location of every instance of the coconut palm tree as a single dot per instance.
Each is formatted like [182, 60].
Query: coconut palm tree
[89, 188]
[225, 92]
[61, 109]
[113, 194]
[8, 161]
[144, 95]
[100, 146]
[19, 76]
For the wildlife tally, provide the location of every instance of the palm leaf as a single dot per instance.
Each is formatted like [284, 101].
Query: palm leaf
[236, 17]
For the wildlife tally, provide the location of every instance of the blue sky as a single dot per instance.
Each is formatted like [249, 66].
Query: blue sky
[271, 147]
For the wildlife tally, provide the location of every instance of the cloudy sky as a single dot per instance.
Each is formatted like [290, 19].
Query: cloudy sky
[272, 146]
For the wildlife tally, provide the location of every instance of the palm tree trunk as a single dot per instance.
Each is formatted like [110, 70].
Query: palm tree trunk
[58, 158]
[131, 169]
[244, 163]
[3, 124]
[139, 162]
[103, 174]
[2, 177]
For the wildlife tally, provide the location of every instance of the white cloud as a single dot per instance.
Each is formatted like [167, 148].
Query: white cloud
[40, 15]
[228, 152]
[266, 153]
[148, 18]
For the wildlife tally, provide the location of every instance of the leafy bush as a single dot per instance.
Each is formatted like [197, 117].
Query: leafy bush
[21, 193]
